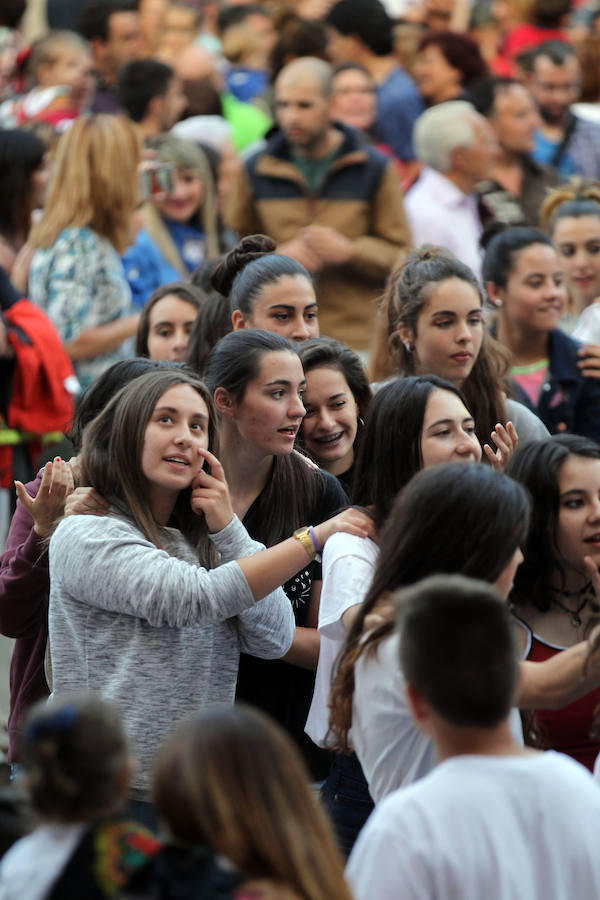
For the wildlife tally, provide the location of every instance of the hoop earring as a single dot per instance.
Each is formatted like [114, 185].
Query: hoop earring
[408, 347]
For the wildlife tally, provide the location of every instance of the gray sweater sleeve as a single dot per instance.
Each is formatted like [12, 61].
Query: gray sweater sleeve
[107, 563]
[255, 625]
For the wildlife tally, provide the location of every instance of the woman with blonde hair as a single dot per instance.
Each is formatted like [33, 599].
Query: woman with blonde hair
[76, 274]
[230, 780]
[180, 223]
[570, 216]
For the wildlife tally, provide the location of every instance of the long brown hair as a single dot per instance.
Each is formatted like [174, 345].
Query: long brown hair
[407, 292]
[449, 519]
[112, 451]
[94, 181]
[231, 778]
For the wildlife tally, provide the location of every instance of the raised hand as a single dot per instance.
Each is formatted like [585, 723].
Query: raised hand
[49, 502]
[210, 494]
[86, 501]
[506, 440]
[352, 521]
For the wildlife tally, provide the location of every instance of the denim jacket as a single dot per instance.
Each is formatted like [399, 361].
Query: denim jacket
[568, 402]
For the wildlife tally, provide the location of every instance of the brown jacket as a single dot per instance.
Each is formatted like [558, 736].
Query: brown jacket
[360, 197]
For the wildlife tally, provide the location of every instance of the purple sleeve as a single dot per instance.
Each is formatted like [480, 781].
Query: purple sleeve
[24, 579]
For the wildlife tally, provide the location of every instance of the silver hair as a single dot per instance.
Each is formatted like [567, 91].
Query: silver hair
[440, 130]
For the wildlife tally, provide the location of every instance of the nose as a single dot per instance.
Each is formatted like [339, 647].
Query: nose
[300, 330]
[179, 343]
[580, 257]
[296, 407]
[325, 421]
[463, 332]
[519, 557]
[467, 446]
[594, 515]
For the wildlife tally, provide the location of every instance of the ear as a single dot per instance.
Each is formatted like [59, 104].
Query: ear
[99, 49]
[238, 320]
[407, 335]
[223, 402]
[418, 706]
[154, 108]
[457, 158]
[495, 293]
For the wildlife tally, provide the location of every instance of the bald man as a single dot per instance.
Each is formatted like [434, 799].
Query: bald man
[329, 200]
[248, 123]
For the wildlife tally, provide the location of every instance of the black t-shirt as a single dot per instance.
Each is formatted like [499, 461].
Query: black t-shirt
[277, 687]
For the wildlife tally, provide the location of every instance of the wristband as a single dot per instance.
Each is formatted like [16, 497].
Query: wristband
[313, 537]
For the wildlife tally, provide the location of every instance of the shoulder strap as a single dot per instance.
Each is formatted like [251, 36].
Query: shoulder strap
[570, 128]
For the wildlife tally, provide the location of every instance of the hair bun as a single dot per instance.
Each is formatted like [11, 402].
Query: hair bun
[248, 249]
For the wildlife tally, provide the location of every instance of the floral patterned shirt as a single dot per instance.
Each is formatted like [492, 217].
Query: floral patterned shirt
[79, 282]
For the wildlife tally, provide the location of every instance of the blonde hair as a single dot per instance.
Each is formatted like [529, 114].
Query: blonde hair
[187, 155]
[576, 197]
[47, 49]
[231, 778]
[94, 181]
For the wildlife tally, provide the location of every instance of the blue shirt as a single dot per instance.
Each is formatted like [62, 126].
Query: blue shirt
[399, 105]
[544, 150]
[146, 269]
[190, 242]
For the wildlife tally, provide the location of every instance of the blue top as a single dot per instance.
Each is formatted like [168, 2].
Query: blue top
[190, 242]
[146, 269]
[399, 105]
[544, 150]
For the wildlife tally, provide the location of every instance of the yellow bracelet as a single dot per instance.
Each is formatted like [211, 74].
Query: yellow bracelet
[303, 535]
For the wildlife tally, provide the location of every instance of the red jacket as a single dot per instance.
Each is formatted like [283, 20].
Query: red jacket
[44, 383]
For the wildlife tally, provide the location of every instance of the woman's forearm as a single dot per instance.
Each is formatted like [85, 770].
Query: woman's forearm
[93, 342]
[304, 651]
[267, 570]
[559, 680]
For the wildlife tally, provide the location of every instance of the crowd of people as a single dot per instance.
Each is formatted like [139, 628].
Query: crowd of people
[300, 440]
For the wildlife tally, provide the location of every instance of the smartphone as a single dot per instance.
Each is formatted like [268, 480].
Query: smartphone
[156, 178]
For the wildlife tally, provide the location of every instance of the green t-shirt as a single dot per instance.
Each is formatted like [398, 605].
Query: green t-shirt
[314, 170]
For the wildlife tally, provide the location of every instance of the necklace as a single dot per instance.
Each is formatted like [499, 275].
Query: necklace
[583, 592]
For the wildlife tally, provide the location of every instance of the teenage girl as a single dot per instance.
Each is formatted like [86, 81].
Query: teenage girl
[553, 597]
[432, 321]
[267, 290]
[167, 320]
[139, 610]
[524, 277]
[413, 423]
[475, 520]
[336, 401]
[570, 215]
[258, 384]
[230, 782]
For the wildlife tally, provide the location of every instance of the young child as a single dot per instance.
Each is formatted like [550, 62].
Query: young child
[493, 819]
[76, 773]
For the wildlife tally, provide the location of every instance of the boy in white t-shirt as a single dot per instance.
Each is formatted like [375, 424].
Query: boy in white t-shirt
[493, 820]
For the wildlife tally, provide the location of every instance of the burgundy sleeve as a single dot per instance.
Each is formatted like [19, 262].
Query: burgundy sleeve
[24, 578]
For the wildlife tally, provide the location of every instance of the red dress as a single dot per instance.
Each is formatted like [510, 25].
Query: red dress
[568, 729]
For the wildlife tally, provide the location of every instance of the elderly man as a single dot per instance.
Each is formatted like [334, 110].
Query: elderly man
[328, 199]
[457, 147]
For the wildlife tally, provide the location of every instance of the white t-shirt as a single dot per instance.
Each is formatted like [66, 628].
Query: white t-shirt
[348, 564]
[32, 865]
[391, 749]
[587, 328]
[484, 828]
